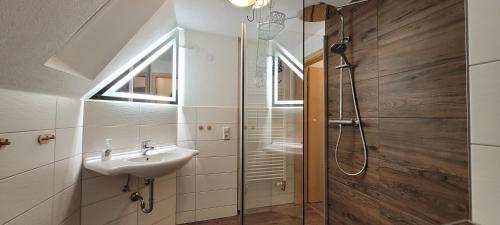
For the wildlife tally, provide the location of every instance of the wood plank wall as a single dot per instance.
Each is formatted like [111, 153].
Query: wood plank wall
[410, 75]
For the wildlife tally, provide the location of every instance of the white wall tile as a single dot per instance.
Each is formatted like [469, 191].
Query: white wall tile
[186, 184]
[217, 212]
[108, 210]
[21, 192]
[40, 215]
[67, 172]
[485, 184]
[159, 134]
[87, 174]
[163, 209]
[66, 203]
[216, 165]
[216, 133]
[217, 148]
[68, 142]
[217, 115]
[101, 113]
[163, 189]
[217, 198]
[187, 132]
[130, 219]
[104, 187]
[126, 136]
[212, 182]
[185, 217]
[26, 111]
[187, 144]
[127, 124]
[282, 198]
[169, 220]
[166, 177]
[189, 169]
[25, 152]
[74, 219]
[69, 112]
[483, 18]
[158, 114]
[187, 115]
[484, 93]
[186, 202]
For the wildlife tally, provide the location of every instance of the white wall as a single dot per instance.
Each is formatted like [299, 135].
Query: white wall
[211, 70]
[207, 186]
[103, 201]
[484, 75]
[39, 183]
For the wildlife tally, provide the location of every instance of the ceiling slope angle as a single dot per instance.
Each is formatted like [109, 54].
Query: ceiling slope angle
[102, 36]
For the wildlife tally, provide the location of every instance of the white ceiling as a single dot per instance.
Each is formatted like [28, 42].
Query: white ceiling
[34, 30]
[31, 32]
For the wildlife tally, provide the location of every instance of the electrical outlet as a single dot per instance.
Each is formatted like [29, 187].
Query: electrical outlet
[226, 133]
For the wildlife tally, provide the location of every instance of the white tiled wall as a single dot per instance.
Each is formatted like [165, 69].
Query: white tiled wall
[103, 201]
[484, 75]
[39, 183]
[207, 186]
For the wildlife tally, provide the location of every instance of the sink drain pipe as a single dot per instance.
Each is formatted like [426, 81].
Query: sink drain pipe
[136, 196]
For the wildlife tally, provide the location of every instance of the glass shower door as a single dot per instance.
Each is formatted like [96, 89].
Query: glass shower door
[271, 116]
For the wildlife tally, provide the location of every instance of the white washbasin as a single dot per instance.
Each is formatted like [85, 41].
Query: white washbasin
[285, 147]
[158, 162]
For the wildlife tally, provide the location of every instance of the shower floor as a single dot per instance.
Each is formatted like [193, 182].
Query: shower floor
[276, 215]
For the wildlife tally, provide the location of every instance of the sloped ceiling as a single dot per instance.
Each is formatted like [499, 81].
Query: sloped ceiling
[32, 31]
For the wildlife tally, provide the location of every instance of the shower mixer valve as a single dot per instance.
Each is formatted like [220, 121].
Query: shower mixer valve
[354, 122]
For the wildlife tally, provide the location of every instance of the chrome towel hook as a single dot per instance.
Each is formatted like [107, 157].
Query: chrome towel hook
[45, 138]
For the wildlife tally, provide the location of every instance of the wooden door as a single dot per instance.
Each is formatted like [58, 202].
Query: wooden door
[315, 132]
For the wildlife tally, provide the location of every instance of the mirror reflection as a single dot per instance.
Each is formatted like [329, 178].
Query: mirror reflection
[154, 79]
[287, 82]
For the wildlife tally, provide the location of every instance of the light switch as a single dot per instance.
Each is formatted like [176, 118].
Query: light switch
[226, 133]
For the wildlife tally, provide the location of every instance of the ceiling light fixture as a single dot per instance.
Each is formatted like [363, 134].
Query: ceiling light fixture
[243, 3]
[261, 3]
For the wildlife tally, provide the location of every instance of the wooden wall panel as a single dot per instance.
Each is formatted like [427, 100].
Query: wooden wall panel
[435, 39]
[410, 73]
[425, 92]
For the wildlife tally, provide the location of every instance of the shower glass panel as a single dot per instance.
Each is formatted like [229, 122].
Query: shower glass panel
[272, 152]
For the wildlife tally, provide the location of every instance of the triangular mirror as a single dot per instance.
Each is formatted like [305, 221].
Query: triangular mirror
[151, 78]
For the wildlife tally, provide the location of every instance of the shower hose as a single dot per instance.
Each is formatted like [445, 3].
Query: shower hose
[356, 122]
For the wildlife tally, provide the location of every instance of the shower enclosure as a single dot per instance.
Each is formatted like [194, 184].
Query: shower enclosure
[271, 107]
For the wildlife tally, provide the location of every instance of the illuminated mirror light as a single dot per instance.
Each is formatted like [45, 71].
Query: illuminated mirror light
[151, 76]
[287, 78]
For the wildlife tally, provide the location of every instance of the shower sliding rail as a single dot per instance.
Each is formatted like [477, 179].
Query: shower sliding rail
[340, 49]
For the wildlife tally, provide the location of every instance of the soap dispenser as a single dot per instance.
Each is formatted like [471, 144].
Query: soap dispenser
[106, 154]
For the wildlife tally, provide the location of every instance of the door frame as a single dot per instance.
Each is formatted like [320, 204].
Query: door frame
[309, 60]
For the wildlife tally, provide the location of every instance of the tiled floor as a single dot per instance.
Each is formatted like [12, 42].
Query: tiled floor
[289, 214]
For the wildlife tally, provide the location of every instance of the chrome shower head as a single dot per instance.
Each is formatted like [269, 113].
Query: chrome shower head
[338, 48]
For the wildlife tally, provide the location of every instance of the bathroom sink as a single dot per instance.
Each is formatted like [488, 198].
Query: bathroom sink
[285, 147]
[153, 158]
[158, 162]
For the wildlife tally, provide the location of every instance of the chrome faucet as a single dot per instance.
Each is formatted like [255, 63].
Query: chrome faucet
[145, 147]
